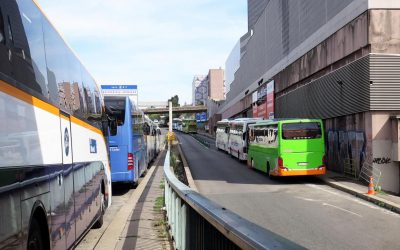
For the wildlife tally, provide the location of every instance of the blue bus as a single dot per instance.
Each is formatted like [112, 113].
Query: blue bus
[127, 142]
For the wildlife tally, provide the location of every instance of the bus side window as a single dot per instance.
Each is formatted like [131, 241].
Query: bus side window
[2, 35]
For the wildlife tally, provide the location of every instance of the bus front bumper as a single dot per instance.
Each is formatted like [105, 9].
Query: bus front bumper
[298, 172]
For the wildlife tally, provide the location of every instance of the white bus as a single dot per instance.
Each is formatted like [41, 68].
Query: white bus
[238, 137]
[54, 167]
[177, 124]
[222, 135]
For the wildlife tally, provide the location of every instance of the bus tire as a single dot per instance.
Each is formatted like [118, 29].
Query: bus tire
[269, 171]
[100, 220]
[36, 236]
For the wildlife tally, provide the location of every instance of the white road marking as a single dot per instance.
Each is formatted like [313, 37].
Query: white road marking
[345, 210]
[306, 199]
[355, 199]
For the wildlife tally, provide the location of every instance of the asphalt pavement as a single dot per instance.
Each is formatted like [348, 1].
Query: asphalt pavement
[302, 209]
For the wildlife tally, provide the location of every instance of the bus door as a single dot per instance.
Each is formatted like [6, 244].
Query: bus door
[68, 178]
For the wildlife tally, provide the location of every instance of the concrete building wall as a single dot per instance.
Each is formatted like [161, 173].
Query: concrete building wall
[216, 84]
[290, 29]
[254, 10]
[232, 64]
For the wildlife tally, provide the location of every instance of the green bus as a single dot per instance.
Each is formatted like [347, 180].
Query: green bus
[287, 147]
[189, 126]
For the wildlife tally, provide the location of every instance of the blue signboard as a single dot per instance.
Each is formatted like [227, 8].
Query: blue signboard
[201, 117]
[118, 86]
[119, 90]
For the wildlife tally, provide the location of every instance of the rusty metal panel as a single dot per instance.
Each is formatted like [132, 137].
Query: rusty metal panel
[385, 77]
[341, 92]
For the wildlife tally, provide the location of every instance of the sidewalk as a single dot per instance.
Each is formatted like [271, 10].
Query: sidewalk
[354, 187]
[138, 224]
[145, 228]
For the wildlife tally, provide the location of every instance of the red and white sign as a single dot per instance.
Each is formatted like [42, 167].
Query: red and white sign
[270, 100]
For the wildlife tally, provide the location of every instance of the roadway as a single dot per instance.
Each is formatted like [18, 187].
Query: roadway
[301, 209]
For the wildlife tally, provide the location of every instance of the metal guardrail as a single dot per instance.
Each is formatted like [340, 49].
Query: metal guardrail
[198, 223]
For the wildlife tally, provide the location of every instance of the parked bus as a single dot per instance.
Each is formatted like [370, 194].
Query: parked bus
[238, 137]
[222, 135]
[189, 126]
[54, 171]
[127, 143]
[287, 147]
[152, 139]
[177, 124]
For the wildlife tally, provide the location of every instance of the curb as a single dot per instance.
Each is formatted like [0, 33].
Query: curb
[391, 206]
[207, 135]
[187, 169]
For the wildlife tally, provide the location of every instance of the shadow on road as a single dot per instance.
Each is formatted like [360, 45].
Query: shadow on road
[119, 189]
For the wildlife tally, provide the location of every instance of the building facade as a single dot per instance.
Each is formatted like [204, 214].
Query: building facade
[199, 90]
[337, 60]
[232, 64]
[215, 80]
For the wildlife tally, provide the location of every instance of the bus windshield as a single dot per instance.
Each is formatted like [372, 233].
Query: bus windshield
[301, 130]
[117, 106]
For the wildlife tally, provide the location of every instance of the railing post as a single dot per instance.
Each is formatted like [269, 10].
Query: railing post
[178, 224]
[184, 234]
[173, 214]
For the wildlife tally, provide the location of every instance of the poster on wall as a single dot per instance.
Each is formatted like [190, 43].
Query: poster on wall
[255, 110]
[270, 100]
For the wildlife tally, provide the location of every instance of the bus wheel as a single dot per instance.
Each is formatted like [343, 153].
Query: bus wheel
[35, 239]
[268, 171]
[100, 220]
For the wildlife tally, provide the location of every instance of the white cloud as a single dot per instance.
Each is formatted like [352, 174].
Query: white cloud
[159, 45]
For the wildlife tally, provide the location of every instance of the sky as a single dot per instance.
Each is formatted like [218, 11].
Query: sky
[157, 44]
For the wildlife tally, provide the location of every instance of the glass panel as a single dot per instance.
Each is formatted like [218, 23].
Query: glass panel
[57, 66]
[117, 106]
[301, 130]
[5, 63]
[31, 47]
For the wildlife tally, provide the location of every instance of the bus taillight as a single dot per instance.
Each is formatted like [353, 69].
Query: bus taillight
[130, 161]
[280, 162]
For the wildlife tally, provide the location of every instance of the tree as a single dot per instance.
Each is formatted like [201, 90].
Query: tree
[175, 101]
[155, 117]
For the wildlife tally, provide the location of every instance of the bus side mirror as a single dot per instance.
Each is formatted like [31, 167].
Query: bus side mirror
[215, 129]
[244, 136]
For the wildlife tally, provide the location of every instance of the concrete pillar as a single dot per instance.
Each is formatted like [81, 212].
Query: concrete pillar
[170, 116]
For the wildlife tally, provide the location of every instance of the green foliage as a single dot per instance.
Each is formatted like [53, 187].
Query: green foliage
[175, 101]
[155, 116]
[159, 203]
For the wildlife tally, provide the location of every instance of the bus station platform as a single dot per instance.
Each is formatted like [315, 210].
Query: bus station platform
[356, 188]
[140, 222]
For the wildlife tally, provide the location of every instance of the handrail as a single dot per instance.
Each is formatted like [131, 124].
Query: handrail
[185, 207]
